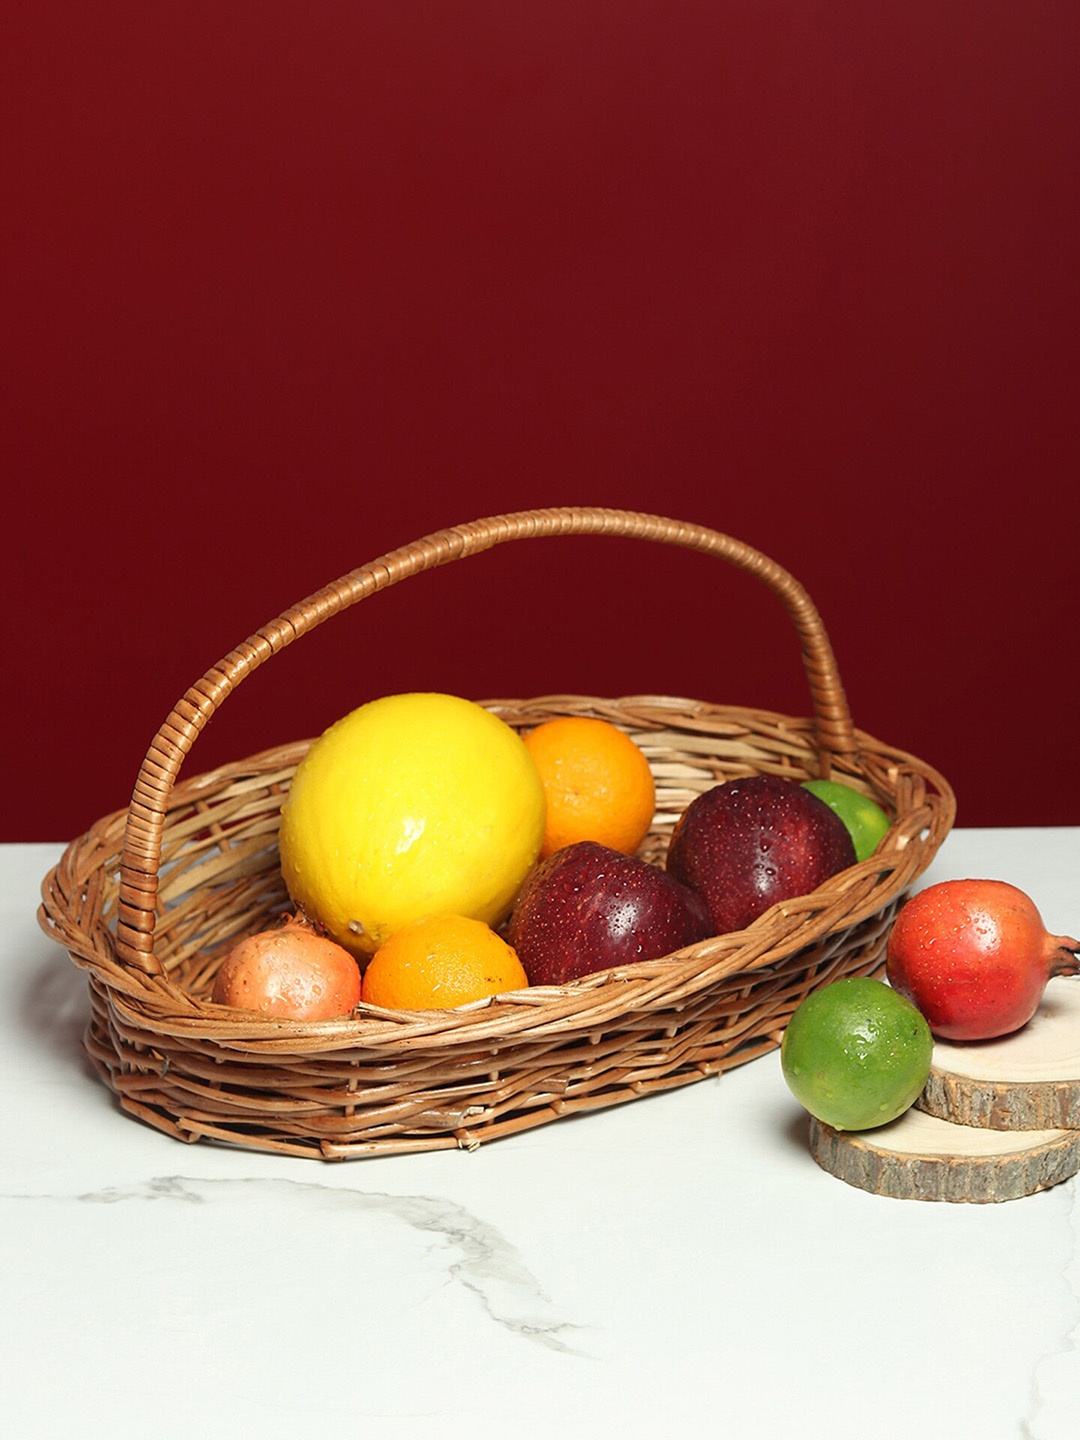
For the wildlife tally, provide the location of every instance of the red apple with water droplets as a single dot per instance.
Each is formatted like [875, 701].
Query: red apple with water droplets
[589, 908]
[748, 844]
[975, 957]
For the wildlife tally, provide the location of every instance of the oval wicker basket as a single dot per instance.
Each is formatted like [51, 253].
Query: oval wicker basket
[150, 899]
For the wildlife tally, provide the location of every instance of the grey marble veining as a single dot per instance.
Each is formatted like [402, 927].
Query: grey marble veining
[643, 1270]
[473, 1253]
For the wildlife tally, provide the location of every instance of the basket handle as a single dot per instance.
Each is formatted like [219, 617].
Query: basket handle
[141, 855]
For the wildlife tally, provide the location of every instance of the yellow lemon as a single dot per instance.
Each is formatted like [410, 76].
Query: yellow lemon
[410, 806]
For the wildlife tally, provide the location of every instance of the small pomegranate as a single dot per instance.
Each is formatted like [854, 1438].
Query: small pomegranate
[290, 972]
[975, 957]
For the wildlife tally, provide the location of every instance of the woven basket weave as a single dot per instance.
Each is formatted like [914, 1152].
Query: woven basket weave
[150, 899]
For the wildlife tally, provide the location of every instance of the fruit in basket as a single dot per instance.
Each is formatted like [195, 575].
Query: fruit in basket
[866, 821]
[750, 843]
[856, 1054]
[439, 963]
[597, 783]
[290, 972]
[412, 805]
[589, 907]
[975, 957]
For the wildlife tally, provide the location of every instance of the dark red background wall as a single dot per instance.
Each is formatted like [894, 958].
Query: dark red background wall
[288, 285]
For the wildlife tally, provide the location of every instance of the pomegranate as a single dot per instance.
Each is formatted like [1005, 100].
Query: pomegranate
[291, 972]
[975, 957]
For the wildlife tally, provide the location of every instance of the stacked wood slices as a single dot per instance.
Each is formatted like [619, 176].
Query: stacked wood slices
[998, 1119]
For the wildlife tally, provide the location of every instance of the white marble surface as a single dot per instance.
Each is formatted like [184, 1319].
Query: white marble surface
[671, 1267]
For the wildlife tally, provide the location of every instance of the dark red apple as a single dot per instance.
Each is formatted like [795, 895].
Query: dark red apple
[588, 908]
[748, 844]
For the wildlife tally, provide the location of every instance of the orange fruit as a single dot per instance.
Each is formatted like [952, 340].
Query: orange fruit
[440, 962]
[597, 784]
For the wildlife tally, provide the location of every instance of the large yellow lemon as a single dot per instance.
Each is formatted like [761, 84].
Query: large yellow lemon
[413, 805]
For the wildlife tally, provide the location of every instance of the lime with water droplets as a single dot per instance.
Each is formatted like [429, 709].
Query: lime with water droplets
[856, 1054]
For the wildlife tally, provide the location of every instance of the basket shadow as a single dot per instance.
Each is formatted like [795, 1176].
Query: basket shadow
[55, 1009]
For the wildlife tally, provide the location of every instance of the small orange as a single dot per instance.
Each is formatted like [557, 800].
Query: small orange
[441, 962]
[597, 784]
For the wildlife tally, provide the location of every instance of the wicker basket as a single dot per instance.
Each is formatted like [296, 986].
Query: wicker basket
[148, 901]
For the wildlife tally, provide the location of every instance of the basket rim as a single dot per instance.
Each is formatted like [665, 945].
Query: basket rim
[155, 1004]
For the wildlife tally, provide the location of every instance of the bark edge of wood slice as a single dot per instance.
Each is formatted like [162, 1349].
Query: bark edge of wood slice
[922, 1157]
[1029, 1080]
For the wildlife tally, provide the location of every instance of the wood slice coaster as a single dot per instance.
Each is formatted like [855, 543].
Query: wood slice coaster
[1029, 1080]
[920, 1157]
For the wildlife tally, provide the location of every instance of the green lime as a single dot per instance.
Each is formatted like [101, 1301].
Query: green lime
[856, 1054]
[864, 818]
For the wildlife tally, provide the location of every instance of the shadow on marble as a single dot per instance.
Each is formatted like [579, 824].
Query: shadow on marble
[796, 1132]
[54, 1008]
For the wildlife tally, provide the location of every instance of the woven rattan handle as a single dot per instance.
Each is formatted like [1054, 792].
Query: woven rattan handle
[146, 814]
